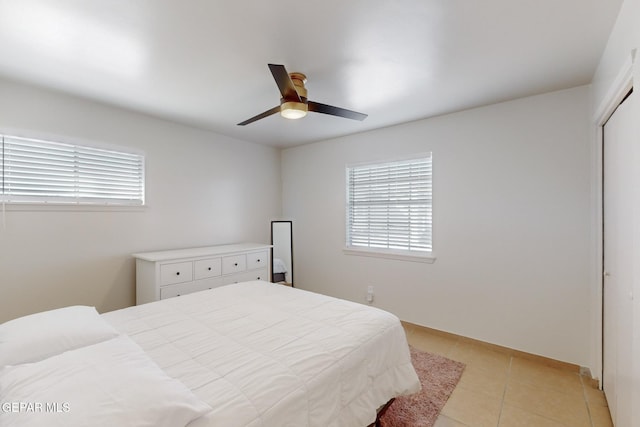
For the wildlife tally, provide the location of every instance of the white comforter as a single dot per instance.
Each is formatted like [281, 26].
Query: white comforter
[279, 266]
[268, 355]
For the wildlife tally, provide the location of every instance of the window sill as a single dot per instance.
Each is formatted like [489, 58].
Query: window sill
[397, 255]
[69, 207]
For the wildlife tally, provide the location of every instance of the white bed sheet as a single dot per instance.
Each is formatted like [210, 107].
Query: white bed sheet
[267, 355]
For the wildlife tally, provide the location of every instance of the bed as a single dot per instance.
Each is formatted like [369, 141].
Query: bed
[247, 355]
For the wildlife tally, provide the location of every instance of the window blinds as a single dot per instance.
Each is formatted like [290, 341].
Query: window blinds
[389, 205]
[49, 172]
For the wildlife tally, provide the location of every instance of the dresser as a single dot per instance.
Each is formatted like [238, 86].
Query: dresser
[167, 274]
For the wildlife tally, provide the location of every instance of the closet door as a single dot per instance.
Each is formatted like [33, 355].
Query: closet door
[619, 185]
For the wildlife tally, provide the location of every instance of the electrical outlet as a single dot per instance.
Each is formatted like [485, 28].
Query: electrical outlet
[369, 294]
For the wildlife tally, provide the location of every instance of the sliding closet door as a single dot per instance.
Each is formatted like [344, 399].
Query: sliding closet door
[619, 191]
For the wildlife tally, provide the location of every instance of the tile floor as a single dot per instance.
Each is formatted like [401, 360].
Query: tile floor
[502, 389]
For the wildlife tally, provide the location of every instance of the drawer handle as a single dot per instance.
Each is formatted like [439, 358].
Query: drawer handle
[258, 278]
[178, 273]
[209, 268]
[235, 264]
[258, 259]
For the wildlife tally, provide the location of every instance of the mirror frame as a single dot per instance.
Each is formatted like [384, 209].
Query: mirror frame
[290, 247]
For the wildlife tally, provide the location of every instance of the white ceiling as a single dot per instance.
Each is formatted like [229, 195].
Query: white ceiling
[204, 62]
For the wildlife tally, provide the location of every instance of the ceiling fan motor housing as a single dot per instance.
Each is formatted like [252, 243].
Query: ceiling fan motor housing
[292, 108]
[299, 80]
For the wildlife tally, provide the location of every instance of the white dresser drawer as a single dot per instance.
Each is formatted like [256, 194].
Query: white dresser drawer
[176, 290]
[234, 264]
[205, 268]
[257, 260]
[176, 273]
[261, 274]
[210, 283]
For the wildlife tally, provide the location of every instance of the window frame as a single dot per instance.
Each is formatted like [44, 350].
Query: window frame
[32, 203]
[426, 256]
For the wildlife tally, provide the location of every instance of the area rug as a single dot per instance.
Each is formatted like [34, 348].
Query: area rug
[438, 376]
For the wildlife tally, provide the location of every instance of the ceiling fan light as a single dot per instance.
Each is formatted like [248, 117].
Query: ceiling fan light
[293, 110]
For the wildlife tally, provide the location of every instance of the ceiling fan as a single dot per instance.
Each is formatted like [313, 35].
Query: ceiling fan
[294, 103]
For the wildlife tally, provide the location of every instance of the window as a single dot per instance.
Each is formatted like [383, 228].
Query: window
[38, 171]
[389, 207]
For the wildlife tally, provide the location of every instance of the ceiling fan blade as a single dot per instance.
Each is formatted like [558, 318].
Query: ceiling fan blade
[287, 89]
[335, 111]
[261, 116]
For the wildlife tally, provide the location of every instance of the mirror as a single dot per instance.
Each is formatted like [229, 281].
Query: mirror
[282, 252]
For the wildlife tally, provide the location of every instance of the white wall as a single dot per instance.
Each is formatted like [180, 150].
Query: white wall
[511, 224]
[201, 189]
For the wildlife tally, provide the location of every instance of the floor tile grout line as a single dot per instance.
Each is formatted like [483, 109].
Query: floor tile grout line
[504, 391]
[586, 401]
[545, 416]
[524, 409]
[448, 355]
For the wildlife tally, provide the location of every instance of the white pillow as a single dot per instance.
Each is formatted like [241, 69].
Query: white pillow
[38, 336]
[113, 383]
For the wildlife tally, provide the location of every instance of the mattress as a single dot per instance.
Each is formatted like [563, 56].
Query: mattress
[262, 354]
